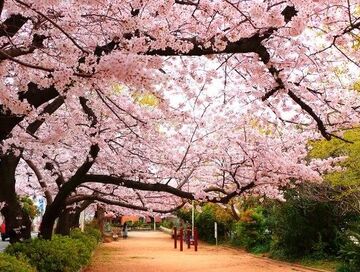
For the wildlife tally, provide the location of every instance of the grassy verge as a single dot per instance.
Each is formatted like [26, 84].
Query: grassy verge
[326, 264]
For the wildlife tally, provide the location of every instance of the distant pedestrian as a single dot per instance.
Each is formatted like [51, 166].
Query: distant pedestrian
[125, 230]
[3, 232]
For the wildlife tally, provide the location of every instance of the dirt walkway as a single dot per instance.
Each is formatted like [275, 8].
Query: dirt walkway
[154, 252]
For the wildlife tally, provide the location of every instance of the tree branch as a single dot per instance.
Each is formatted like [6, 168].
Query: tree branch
[39, 176]
[12, 24]
[105, 200]
[89, 112]
[49, 109]
[310, 111]
[121, 181]
[54, 24]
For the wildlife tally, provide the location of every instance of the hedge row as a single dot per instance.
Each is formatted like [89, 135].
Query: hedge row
[301, 228]
[62, 253]
[11, 264]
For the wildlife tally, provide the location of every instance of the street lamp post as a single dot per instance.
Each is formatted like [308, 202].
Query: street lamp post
[193, 219]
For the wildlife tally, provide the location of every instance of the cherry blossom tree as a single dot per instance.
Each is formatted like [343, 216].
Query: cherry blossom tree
[233, 90]
[214, 166]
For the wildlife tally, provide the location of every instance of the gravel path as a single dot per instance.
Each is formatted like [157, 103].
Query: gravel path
[154, 252]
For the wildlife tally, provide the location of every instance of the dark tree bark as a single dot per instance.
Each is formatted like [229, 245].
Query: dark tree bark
[53, 211]
[15, 218]
[100, 217]
[68, 219]
[18, 223]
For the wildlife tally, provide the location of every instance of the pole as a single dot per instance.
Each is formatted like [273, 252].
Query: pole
[154, 222]
[181, 238]
[195, 239]
[192, 218]
[82, 220]
[188, 233]
[215, 234]
[175, 238]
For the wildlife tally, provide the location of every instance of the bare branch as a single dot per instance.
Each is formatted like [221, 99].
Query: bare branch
[39, 176]
[54, 24]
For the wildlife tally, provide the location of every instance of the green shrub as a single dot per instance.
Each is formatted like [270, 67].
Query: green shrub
[61, 254]
[12, 264]
[205, 222]
[141, 224]
[184, 214]
[350, 252]
[29, 207]
[304, 227]
[90, 241]
[94, 232]
[252, 231]
[168, 223]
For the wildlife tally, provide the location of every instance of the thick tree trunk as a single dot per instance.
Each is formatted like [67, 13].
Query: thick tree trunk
[100, 217]
[68, 219]
[18, 223]
[47, 224]
[53, 211]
